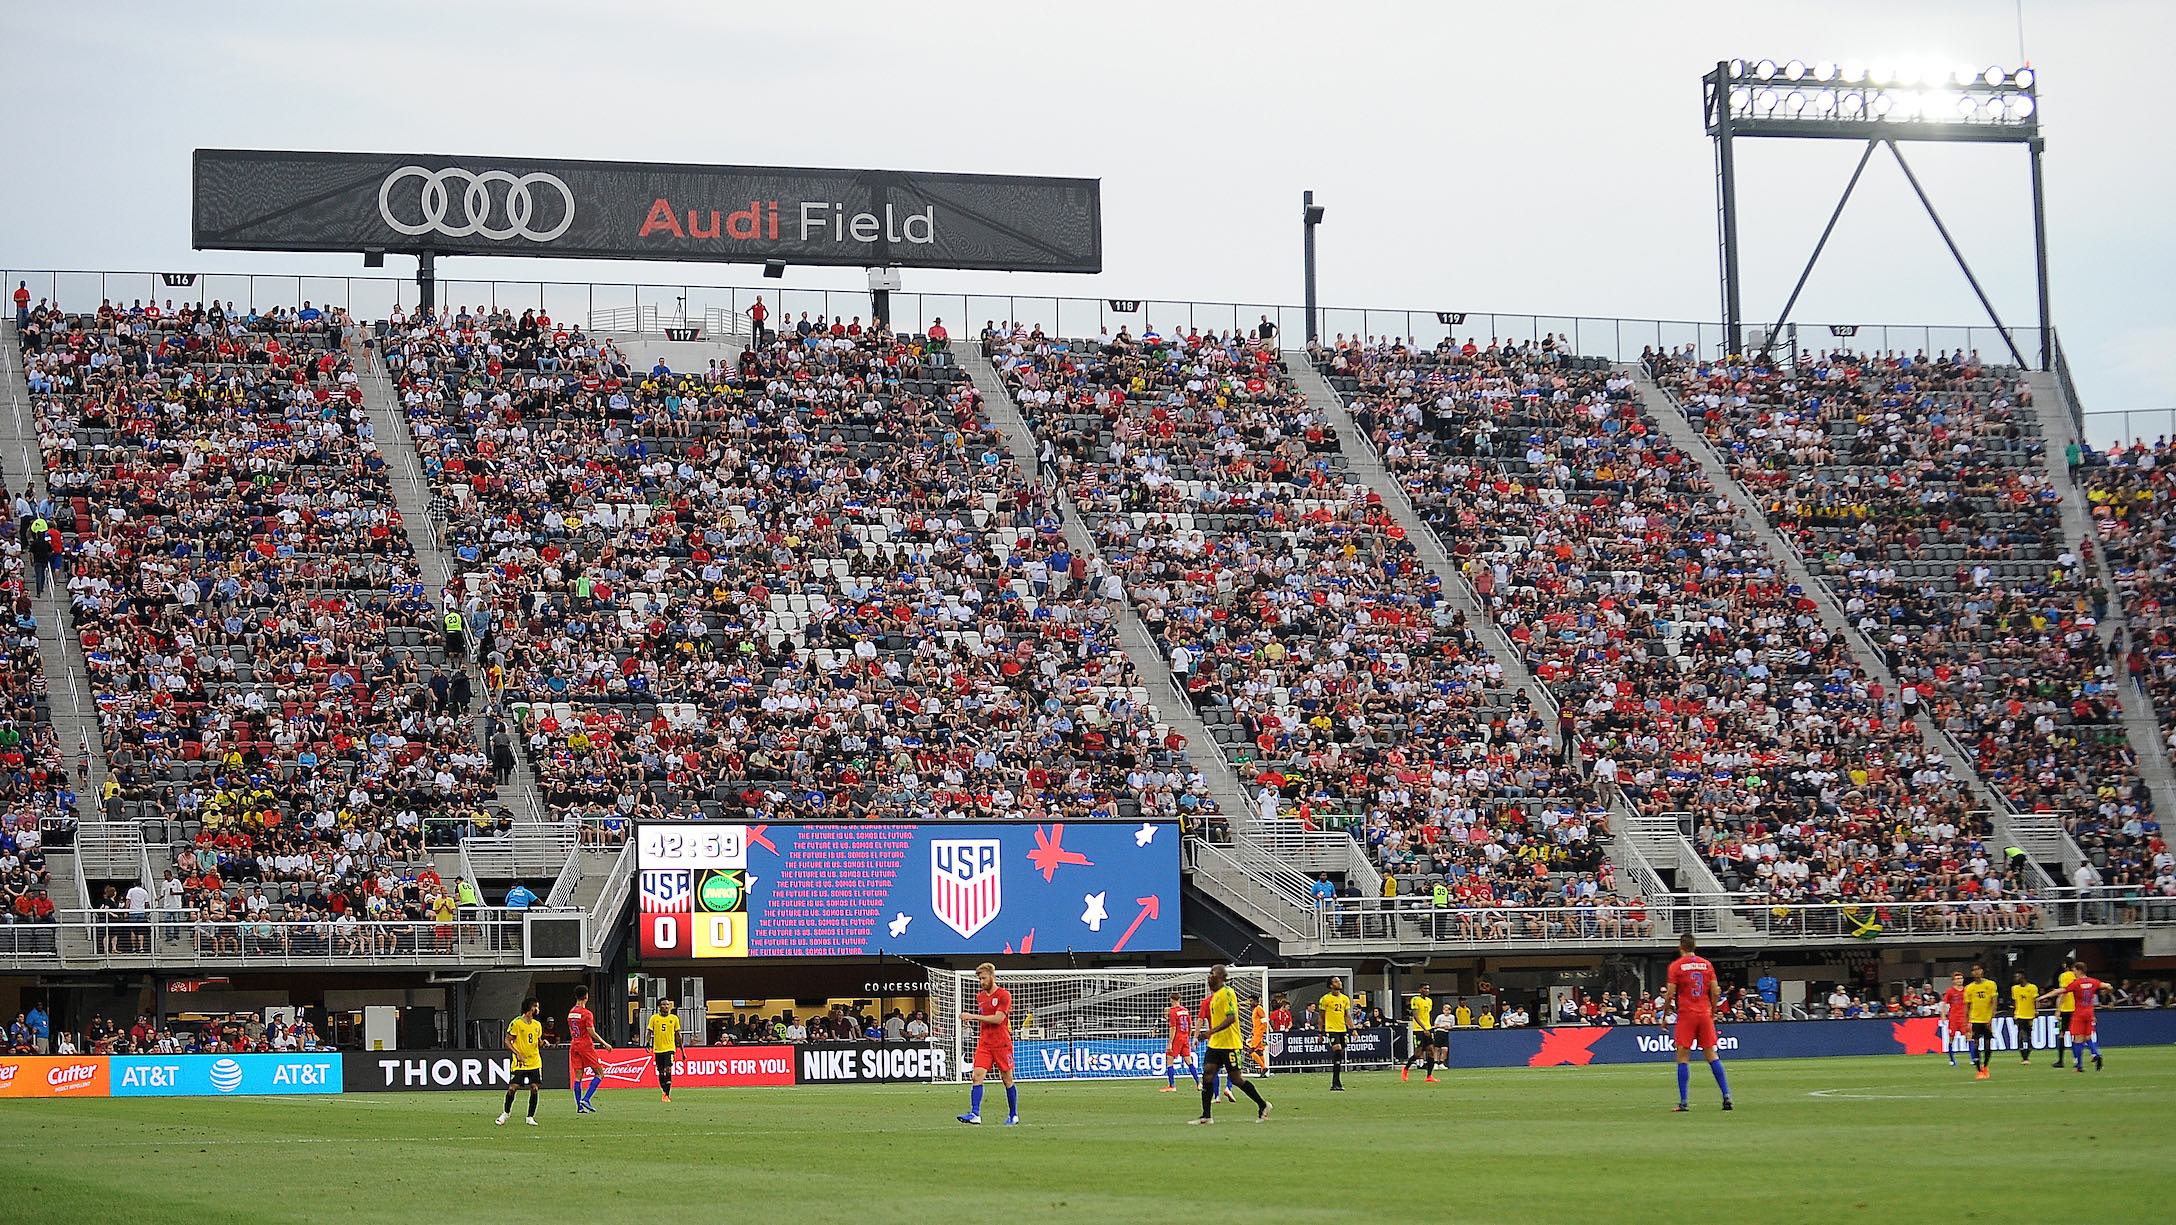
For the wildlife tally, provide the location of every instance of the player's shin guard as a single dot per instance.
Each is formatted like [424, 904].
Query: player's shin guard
[1208, 1098]
[974, 1100]
[1722, 1082]
[1012, 1101]
[1247, 1087]
[1684, 1082]
[533, 1094]
[509, 1107]
[1193, 1069]
[664, 1080]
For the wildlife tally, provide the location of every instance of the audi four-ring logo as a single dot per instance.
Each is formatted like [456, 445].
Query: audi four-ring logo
[435, 190]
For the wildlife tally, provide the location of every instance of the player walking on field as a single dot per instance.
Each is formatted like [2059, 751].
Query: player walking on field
[2024, 1009]
[664, 1043]
[1979, 999]
[582, 1053]
[2082, 991]
[1421, 1043]
[525, 1042]
[993, 1044]
[1336, 1009]
[1692, 993]
[1180, 1049]
[1258, 1039]
[1223, 1053]
[1957, 1019]
[2065, 1006]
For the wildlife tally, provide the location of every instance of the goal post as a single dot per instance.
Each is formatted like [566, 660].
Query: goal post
[1086, 1024]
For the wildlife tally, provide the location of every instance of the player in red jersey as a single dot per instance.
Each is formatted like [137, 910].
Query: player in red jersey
[582, 1044]
[2085, 991]
[1956, 1021]
[993, 1044]
[1692, 994]
[1180, 1050]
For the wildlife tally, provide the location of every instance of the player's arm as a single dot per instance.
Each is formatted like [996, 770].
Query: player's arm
[1231, 1018]
[508, 1038]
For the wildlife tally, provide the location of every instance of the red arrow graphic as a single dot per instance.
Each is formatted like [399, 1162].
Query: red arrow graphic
[1149, 907]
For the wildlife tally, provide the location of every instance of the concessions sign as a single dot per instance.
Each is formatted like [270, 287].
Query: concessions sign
[279, 200]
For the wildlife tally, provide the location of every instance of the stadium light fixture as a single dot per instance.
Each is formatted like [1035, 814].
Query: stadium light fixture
[1884, 104]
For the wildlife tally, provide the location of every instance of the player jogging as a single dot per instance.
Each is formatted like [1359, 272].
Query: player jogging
[1979, 999]
[1223, 1053]
[1692, 994]
[2065, 1005]
[993, 1044]
[1422, 1040]
[664, 1043]
[1336, 1008]
[582, 1053]
[2083, 991]
[2024, 1009]
[1180, 1049]
[525, 1041]
[1202, 1029]
[1956, 1018]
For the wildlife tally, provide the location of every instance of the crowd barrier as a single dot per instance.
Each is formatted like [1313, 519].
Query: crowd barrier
[843, 1063]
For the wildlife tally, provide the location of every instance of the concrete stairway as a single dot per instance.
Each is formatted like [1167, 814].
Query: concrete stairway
[1262, 849]
[412, 495]
[2058, 426]
[2009, 827]
[68, 678]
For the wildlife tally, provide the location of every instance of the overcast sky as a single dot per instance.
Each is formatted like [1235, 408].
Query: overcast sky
[1530, 157]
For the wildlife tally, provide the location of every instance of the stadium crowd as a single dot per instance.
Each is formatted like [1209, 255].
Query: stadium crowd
[807, 583]
[246, 597]
[1342, 685]
[1698, 680]
[1916, 486]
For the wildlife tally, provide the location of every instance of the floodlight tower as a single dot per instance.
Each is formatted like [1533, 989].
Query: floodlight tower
[1827, 101]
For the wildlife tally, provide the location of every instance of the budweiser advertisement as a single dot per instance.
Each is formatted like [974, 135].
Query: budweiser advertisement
[278, 200]
[856, 889]
[702, 1067]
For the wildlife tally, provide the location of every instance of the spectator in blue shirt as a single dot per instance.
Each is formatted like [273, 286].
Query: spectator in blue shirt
[519, 898]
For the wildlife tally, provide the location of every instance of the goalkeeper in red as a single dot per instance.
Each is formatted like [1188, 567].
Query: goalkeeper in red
[1693, 994]
[993, 1044]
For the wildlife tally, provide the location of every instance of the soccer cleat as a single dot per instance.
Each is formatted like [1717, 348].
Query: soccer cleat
[2096, 1063]
[1202, 1121]
[1428, 1080]
[1980, 1075]
[972, 1120]
[1168, 1089]
[667, 1097]
[1012, 1120]
[531, 1120]
[1727, 1104]
[1228, 1095]
[1262, 1115]
[1681, 1108]
[1405, 1074]
[501, 1120]
[1337, 1088]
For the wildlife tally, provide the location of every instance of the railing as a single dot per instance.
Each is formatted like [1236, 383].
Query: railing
[2105, 429]
[1416, 923]
[369, 298]
[605, 910]
[531, 851]
[1294, 918]
[114, 939]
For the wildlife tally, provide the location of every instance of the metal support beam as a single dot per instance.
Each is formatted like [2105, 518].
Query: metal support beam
[1726, 190]
[2040, 254]
[1784, 317]
[427, 280]
[1954, 253]
[1309, 219]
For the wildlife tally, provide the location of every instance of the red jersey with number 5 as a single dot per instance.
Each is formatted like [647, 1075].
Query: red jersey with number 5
[990, 1003]
[581, 1028]
[1694, 981]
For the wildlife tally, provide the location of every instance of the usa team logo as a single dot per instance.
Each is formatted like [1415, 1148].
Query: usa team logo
[964, 890]
[668, 892]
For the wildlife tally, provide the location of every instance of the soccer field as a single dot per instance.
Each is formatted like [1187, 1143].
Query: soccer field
[1855, 1139]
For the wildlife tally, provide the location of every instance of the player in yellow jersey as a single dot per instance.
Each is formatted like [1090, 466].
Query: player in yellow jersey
[2065, 1004]
[2024, 1010]
[1421, 1044]
[1223, 1051]
[1336, 1009]
[525, 1042]
[664, 1043]
[1979, 1000]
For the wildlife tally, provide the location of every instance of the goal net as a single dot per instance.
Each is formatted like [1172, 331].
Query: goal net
[1087, 1024]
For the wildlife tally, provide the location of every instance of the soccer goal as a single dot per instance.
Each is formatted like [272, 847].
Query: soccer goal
[1086, 1024]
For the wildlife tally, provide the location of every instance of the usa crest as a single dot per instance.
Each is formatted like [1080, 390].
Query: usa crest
[965, 892]
[667, 892]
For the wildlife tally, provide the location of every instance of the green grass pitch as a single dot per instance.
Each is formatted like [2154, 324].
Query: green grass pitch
[1843, 1139]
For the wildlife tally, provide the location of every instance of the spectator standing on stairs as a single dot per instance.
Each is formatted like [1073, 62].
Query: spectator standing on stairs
[502, 758]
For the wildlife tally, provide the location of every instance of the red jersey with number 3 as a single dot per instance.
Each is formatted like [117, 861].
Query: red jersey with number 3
[581, 1029]
[998, 1036]
[1694, 981]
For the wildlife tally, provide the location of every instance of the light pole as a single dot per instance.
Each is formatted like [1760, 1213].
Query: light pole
[1310, 217]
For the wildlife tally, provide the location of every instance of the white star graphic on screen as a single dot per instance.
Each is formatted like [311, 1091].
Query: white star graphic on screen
[1095, 914]
[1144, 835]
[898, 926]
